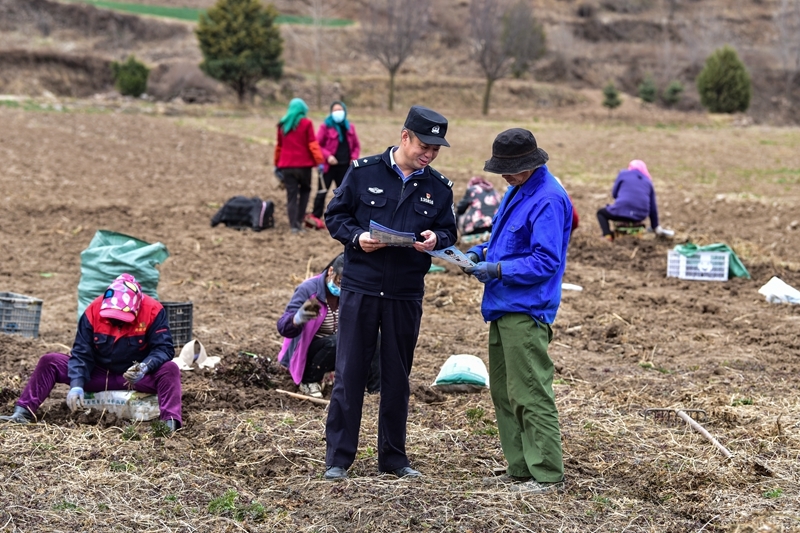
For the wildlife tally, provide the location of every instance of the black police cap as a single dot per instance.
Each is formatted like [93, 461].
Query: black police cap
[427, 124]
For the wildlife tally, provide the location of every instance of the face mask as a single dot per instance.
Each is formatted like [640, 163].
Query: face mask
[338, 116]
[334, 288]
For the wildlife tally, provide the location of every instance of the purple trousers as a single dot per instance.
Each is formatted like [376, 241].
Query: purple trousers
[52, 369]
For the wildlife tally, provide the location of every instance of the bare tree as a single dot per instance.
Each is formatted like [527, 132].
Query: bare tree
[504, 36]
[391, 30]
[788, 22]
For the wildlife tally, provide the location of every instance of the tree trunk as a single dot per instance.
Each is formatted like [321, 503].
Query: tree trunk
[391, 89]
[486, 95]
[240, 91]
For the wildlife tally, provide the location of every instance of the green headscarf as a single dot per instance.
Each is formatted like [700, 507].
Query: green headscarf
[341, 127]
[297, 110]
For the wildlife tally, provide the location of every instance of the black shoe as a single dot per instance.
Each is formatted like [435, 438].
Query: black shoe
[335, 473]
[405, 471]
[20, 416]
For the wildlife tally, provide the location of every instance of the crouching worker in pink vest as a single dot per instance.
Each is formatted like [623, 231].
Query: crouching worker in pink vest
[310, 327]
[123, 342]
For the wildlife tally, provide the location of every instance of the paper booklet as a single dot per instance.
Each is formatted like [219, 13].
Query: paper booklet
[390, 236]
[451, 254]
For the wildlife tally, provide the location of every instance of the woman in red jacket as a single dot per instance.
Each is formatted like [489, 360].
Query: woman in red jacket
[296, 153]
[340, 145]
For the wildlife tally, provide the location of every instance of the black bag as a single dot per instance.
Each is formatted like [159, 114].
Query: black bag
[241, 212]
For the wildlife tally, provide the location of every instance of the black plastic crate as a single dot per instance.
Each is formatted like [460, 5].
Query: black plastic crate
[20, 314]
[179, 316]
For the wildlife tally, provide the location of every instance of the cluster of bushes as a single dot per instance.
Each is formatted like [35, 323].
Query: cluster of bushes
[724, 86]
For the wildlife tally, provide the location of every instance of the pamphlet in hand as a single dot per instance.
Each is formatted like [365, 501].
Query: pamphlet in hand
[390, 236]
[451, 254]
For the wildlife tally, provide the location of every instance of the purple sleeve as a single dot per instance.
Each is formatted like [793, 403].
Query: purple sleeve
[616, 187]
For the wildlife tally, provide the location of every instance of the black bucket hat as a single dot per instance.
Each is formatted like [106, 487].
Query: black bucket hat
[514, 151]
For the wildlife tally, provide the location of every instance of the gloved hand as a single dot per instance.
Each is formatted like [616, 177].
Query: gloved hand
[308, 311]
[279, 176]
[135, 373]
[472, 256]
[321, 168]
[663, 232]
[484, 271]
[75, 398]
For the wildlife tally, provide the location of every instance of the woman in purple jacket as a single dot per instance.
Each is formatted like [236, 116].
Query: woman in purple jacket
[635, 200]
[310, 325]
[340, 145]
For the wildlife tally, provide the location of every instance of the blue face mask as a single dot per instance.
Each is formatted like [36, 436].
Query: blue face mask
[338, 115]
[334, 288]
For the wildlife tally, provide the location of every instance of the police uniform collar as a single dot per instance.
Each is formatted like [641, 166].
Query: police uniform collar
[419, 173]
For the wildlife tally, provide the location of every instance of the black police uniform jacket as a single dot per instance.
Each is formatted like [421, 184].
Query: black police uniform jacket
[372, 190]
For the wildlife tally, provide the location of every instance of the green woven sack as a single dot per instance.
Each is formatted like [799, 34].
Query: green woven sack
[111, 254]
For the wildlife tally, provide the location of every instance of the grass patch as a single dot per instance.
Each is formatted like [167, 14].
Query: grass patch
[193, 14]
[774, 493]
[742, 401]
[228, 505]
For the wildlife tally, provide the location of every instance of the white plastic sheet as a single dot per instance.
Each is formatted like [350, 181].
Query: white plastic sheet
[778, 291]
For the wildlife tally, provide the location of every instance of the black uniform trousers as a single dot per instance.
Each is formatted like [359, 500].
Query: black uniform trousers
[360, 318]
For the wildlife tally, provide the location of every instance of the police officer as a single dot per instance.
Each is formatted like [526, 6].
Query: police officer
[382, 286]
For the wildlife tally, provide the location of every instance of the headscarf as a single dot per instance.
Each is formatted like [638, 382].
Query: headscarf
[122, 299]
[341, 127]
[638, 164]
[297, 110]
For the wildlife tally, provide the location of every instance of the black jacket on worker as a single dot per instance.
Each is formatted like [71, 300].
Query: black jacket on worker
[372, 190]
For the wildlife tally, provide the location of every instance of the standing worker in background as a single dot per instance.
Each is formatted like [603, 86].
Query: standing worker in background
[522, 266]
[340, 145]
[123, 342]
[382, 287]
[297, 152]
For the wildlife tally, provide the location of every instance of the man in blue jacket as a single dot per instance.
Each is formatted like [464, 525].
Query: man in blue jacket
[522, 266]
[382, 286]
[123, 342]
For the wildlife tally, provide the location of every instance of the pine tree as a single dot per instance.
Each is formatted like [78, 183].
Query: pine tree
[672, 94]
[611, 97]
[724, 84]
[647, 90]
[240, 44]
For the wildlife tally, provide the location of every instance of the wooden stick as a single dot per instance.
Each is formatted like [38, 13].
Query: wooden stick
[303, 397]
[700, 429]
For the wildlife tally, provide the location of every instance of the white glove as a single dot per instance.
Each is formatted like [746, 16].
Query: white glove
[664, 232]
[75, 398]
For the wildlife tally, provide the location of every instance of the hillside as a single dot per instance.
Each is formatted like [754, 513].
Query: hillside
[589, 43]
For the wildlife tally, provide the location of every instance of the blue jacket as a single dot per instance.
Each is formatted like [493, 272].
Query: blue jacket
[530, 234]
[371, 190]
[100, 343]
[635, 197]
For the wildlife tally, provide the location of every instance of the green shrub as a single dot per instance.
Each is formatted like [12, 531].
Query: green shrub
[611, 97]
[130, 77]
[240, 44]
[647, 90]
[724, 84]
[673, 93]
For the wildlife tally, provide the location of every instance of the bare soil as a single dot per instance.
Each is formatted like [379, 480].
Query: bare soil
[632, 339]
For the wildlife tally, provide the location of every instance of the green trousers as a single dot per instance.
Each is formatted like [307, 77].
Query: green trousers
[521, 381]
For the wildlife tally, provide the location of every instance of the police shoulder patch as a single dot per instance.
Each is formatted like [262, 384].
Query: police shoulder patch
[436, 174]
[366, 161]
